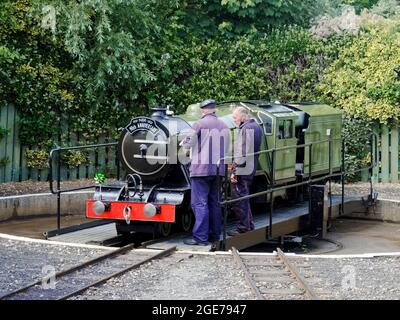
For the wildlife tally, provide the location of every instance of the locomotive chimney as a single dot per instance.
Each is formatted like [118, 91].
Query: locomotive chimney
[159, 111]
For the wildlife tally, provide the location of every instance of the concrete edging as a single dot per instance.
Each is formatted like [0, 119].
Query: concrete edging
[387, 210]
[43, 204]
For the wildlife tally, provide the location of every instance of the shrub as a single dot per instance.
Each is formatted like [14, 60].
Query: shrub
[365, 79]
[37, 159]
[73, 158]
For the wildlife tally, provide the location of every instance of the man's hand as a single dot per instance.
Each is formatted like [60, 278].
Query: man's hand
[234, 178]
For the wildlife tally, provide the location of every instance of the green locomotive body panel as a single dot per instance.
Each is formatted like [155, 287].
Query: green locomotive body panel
[285, 126]
[321, 119]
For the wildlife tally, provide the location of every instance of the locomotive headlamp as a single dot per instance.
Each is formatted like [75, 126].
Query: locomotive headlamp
[99, 207]
[150, 210]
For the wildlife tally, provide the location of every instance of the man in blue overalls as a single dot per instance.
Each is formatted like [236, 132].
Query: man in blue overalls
[244, 167]
[208, 140]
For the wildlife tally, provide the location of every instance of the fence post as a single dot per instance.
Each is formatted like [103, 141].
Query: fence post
[16, 169]
[376, 157]
[3, 143]
[394, 159]
[385, 153]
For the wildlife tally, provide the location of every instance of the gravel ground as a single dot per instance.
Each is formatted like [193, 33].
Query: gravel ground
[186, 277]
[177, 277]
[29, 187]
[352, 278]
[21, 262]
[385, 190]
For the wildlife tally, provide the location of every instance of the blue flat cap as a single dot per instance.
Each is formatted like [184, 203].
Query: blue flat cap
[209, 104]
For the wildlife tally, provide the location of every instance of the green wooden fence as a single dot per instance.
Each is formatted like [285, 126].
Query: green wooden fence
[388, 168]
[389, 155]
[13, 164]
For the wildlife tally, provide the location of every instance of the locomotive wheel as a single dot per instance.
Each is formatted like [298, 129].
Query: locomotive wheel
[186, 220]
[163, 229]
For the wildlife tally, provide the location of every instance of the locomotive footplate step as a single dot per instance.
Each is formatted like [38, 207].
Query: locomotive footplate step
[97, 234]
[284, 221]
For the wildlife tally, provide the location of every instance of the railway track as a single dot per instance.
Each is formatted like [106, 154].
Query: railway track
[273, 277]
[91, 273]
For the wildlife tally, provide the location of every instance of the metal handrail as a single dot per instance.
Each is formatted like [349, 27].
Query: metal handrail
[308, 182]
[59, 191]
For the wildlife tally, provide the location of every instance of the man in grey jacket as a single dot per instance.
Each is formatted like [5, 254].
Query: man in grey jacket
[244, 167]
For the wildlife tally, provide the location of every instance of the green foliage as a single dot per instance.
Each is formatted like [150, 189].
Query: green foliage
[357, 135]
[364, 80]
[241, 16]
[35, 72]
[360, 4]
[283, 65]
[95, 64]
[37, 159]
[73, 158]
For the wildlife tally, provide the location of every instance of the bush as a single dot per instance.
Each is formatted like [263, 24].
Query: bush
[37, 159]
[74, 159]
[284, 65]
[365, 79]
[357, 136]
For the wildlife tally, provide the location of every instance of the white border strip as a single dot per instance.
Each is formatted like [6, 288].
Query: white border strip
[221, 253]
[389, 200]
[48, 242]
[294, 255]
[328, 256]
[346, 256]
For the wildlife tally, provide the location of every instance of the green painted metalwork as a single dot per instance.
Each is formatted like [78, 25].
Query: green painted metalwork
[323, 120]
[394, 158]
[281, 124]
[385, 165]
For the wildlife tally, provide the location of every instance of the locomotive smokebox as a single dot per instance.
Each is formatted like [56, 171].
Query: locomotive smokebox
[146, 144]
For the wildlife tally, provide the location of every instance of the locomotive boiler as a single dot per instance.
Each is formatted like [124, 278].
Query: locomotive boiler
[154, 196]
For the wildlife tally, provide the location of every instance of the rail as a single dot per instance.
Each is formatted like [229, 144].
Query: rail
[57, 151]
[309, 181]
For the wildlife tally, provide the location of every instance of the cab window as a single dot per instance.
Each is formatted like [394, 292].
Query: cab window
[266, 122]
[285, 129]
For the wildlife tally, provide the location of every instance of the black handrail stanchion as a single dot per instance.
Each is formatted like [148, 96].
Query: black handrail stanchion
[330, 176]
[342, 178]
[271, 199]
[117, 163]
[225, 205]
[370, 172]
[219, 200]
[309, 180]
[58, 190]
